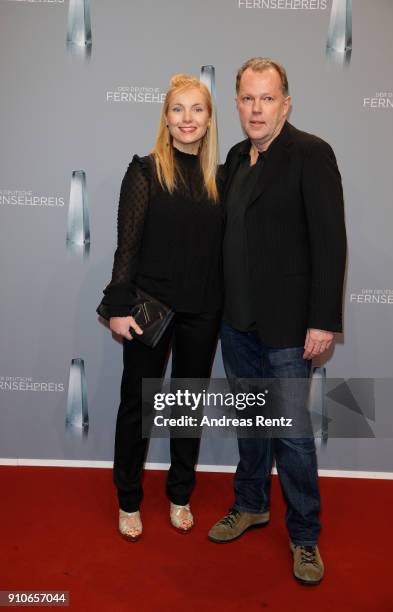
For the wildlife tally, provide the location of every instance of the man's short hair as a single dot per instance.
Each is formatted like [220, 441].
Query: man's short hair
[259, 64]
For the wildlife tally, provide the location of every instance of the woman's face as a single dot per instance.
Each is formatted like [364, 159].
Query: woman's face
[188, 118]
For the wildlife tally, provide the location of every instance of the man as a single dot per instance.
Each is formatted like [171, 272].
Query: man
[284, 261]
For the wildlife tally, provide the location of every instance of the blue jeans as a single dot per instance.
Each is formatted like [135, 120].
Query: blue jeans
[244, 356]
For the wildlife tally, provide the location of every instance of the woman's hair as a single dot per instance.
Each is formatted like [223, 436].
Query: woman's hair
[208, 149]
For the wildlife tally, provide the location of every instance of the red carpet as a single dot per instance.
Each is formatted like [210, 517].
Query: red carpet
[59, 533]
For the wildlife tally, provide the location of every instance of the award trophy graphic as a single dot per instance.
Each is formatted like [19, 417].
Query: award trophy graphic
[78, 227]
[318, 405]
[208, 78]
[77, 418]
[339, 41]
[79, 40]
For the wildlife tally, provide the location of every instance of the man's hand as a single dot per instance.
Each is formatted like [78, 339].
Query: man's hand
[317, 342]
[121, 326]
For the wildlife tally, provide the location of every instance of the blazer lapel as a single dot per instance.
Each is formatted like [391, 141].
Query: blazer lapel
[274, 164]
[233, 169]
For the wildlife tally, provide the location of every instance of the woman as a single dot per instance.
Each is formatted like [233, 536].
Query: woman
[169, 245]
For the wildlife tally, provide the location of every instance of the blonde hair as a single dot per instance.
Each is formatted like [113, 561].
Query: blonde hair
[162, 152]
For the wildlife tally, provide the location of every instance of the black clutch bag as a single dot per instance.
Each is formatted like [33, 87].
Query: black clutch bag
[152, 316]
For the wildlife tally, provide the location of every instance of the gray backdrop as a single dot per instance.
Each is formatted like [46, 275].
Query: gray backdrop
[59, 113]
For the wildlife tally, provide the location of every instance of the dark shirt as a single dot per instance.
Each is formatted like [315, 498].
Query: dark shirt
[169, 245]
[237, 309]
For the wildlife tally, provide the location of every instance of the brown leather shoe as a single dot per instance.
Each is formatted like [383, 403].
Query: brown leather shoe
[308, 566]
[235, 523]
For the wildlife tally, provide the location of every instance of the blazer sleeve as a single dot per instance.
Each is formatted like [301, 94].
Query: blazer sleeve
[133, 205]
[324, 206]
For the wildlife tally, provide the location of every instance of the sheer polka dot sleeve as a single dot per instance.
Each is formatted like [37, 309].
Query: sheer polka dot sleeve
[133, 203]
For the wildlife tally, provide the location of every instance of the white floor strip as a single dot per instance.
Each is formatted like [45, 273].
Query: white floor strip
[200, 468]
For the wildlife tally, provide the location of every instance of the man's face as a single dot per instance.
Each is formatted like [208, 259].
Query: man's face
[262, 106]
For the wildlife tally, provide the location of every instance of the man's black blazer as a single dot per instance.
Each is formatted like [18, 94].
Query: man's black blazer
[295, 235]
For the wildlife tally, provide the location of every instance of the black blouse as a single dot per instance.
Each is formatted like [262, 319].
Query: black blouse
[169, 245]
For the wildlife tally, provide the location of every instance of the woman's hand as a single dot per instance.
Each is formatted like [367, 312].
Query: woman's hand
[121, 326]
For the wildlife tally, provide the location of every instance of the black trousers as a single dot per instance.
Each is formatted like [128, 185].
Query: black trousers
[193, 339]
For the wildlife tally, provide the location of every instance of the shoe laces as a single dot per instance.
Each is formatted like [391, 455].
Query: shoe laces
[308, 555]
[230, 518]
